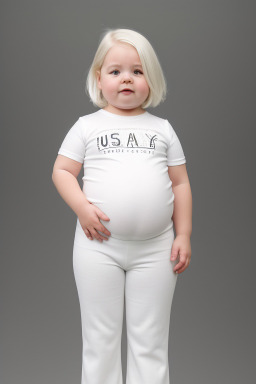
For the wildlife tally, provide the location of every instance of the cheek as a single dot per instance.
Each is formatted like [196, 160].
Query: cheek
[108, 86]
[144, 88]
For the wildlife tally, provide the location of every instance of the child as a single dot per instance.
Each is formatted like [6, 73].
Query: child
[135, 180]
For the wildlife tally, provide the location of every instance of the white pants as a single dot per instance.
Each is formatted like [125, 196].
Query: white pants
[140, 274]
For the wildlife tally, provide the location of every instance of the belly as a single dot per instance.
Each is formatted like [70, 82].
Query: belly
[138, 204]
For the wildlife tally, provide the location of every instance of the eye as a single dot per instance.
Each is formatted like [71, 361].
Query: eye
[137, 70]
[115, 70]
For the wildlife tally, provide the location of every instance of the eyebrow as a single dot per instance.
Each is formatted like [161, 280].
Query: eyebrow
[117, 65]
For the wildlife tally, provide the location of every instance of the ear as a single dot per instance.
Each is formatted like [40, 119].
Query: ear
[98, 79]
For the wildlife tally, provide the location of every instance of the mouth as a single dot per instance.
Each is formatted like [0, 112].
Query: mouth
[126, 90]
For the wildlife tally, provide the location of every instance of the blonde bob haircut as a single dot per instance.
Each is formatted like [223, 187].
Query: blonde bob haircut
[150, 64]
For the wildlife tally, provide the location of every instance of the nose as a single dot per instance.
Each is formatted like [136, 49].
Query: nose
[127, 77]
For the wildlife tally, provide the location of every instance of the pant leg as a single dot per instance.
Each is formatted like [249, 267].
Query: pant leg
[149, 289]
[100, 282]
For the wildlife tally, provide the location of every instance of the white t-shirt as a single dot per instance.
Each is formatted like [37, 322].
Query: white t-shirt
[126, 161]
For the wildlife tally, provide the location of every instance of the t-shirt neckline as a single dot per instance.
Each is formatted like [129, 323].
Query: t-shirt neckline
[122, 117]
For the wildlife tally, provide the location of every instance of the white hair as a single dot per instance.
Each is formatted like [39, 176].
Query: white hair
[151, 67]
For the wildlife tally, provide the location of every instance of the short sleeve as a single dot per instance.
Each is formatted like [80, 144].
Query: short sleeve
[175, 154]
[73, 145]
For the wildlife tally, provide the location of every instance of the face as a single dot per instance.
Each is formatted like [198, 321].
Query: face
[122, 69]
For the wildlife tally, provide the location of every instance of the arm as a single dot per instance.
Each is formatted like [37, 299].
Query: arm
[182, 214]
[64, 177]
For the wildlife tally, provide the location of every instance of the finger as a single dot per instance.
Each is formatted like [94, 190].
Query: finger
[99, 226]
[96, 235]
[182, 269]
[103, 229]
[102, 237]
[174, 253]
[102, 215]
[88, 234]
[179, 265]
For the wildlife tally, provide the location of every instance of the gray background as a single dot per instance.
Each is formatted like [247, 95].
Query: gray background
[207, 51]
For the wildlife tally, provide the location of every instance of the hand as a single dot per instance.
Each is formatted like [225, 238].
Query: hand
[89, 218]
[181, 245]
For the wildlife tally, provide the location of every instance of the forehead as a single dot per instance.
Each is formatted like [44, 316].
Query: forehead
[122, 54]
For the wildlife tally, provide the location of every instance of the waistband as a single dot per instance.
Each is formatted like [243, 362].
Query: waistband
[167, 234]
